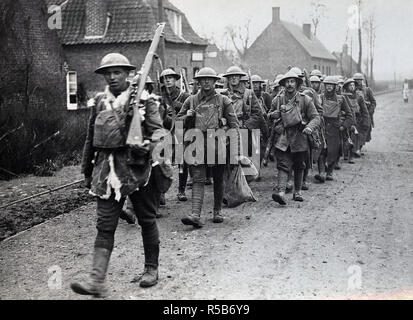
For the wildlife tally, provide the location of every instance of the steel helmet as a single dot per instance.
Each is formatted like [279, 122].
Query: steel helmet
[207, 73]
[340, 80]
[358, 76]
[317, 73]
[169, 72]
[298, 71]
[315, 79]
[114, 60]
[348, 81]
[290, 75]
[257, 78]
[245, 79]
[330, 80]
[149, 80]
[234, 71]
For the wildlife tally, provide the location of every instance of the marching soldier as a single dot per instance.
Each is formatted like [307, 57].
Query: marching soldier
[264, 98]
[361, 116]
[369, 99]
[334, 106]
[111, 179]
[223, 116]
[298, 118]
[173, 98]
[246, 106]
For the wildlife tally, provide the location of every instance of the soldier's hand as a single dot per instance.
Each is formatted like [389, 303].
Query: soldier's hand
[87, 183]
[342, 128]
[307, 131]
[353, 129]
[275, 115]
[190, 113]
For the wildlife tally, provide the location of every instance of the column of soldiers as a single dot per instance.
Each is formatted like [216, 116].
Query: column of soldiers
[304, 121]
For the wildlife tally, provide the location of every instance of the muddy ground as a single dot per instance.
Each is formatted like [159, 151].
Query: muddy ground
[351, 238]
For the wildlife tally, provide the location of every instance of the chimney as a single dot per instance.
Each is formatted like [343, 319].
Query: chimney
[276, 15]
[96, 18]
[307, 30]
[345, 49]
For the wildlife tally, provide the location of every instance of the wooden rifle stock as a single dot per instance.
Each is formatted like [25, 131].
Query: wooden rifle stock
[135, 136]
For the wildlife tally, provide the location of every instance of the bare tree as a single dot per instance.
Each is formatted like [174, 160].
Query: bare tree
[359, 18]
[319, 10]
[370, 28]
[239, 37]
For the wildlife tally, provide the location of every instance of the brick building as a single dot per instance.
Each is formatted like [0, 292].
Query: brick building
[32, 83]
[346, 65]
[93, 28]
[283, 44]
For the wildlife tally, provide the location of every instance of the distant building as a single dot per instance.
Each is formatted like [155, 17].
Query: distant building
[219, 60]
[346, 66]
[284, 44]
[93, 28]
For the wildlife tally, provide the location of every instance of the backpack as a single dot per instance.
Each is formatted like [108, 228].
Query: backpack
[291, 113]
[109, 128]
[242, 107]
[208, 116]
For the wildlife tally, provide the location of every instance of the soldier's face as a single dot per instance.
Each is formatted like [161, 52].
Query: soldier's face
[234, 80]
[257, 86]
[116, 78]
[170, 81]
[316, 85]
[351, 87]
[207, 84]
[330, 87]
[359, 83]
[291, 85]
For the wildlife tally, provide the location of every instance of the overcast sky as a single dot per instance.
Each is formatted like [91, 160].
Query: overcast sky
[394, 44]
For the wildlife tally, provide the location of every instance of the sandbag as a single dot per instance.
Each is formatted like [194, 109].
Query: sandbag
[249, 169]
[236, 188]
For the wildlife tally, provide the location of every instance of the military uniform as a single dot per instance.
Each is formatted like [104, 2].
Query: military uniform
[223, 110]
[292, 145]
[113, 179]
[334, 106]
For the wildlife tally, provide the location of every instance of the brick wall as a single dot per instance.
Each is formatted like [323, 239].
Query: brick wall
[32, 88]
[275, 49]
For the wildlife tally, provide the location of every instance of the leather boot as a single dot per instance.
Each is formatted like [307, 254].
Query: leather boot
[279, 196]
[95, 285]
[150, 274]
[194, 219]
[321, 176]
[289, 186]
[298, 182]
[305, 183]
[218, 218]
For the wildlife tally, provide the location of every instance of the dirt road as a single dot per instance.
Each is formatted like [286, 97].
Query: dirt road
[351, 238]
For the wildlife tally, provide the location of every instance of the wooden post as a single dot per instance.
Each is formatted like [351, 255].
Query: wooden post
[161, 47]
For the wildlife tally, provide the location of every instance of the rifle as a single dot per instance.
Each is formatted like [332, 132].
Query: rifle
[270, 141]
[135, 136]
[307, 80]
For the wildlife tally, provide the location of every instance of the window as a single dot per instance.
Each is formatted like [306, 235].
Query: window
[197, 56]
[315, 67]
[175, 20]
[212, 54]
[323, 70]
[71, 90]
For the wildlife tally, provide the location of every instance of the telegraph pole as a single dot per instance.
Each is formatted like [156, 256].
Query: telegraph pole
[161, 47]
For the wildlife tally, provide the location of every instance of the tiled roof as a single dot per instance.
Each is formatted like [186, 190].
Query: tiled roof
[132, 21]
[314, 47]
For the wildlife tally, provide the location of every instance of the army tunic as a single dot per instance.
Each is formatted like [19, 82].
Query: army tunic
[333, 106]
